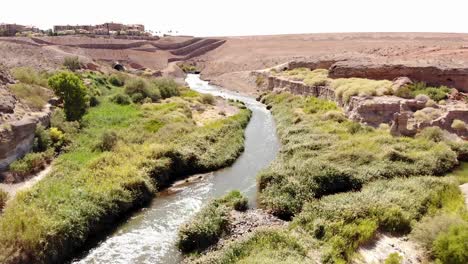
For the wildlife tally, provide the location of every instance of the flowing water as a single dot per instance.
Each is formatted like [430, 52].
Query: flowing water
[149, 236]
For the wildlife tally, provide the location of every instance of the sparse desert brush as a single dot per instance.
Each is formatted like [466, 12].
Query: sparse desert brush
[30, 76]
[394, 258]
[117, 79]
[72, 63]
[427, 114]
[458, 124]
[36, 97]
[309, 77]
[347, 87]
[208, 99]
[260, 80]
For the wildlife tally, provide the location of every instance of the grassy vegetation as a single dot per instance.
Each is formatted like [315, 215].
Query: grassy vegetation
[92, 184]
[435, 93]
[345, 221]
[36, 97]
[3, 199]
[210, 223]
[30, 76]
[345, 88]
[265, 246]
[324, 154]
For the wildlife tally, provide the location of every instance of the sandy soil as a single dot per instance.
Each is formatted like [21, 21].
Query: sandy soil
[221, 109]
[384, 245]
[241, 54]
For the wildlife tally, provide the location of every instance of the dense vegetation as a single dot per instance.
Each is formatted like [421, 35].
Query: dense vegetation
[210, 223]
[341, 183]
[117, 157]
[323, 153]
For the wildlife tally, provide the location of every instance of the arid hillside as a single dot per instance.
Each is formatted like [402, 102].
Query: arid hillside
[49, 52]
[229, 64]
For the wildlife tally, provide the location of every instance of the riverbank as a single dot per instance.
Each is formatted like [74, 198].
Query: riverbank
[149, 234]
[343, 183]
[90, 188]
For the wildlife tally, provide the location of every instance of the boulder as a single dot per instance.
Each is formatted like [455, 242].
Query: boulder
[399, 83]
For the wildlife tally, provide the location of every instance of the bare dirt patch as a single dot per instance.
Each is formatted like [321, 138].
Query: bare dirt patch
[221, 109]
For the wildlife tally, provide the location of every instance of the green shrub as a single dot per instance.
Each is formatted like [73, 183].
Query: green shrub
[167, 87]
[137, 97]
[31, 163]
[348, 87]
[42, 140]
[452, 247]
[72, 63]
[144, 87]
[435, 93]
[395, 221]
[117, 79]
[36, 97]
[210, 223]
[72, 91]
[427, 230]
[404, 92]
[58, 120]
[93, 101]
[3, 199]
[108, 141]
[458, 125]
[431, 133]
[208, 99]
[121, 99]
[394, 258]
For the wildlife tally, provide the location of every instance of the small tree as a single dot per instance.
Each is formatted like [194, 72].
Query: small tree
[71, 89]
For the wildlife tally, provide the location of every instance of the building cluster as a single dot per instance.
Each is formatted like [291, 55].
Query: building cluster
[18, 30]
[102, 29]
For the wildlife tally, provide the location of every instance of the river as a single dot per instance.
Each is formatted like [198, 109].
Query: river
[149, 235]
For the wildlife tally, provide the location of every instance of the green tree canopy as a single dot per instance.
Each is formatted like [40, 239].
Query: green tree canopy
[72, 91]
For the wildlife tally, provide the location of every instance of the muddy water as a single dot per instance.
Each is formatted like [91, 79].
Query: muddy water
[149, 235]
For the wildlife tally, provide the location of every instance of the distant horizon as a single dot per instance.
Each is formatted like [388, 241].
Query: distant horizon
[248, 18]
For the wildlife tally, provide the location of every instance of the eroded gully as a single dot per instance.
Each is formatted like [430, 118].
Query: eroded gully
[149, 235]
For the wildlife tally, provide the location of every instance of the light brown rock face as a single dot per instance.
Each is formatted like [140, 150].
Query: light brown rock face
[16, 136]
[432, 75]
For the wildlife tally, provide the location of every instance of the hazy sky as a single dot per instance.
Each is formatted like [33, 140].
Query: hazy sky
[248, 17]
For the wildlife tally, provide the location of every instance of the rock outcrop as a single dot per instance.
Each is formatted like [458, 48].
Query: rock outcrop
[16, 136]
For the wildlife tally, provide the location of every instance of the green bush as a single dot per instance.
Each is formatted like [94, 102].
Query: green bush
[108, 141]
[210, 223]
[427, 230]
[435, 93]
[144, 87]
[72, 63]
[452, 247]
[208, 99]
[71, 89]
[167, 87]
[394, 258]
[117, 79]
[31, 163]
[137, 97]
[42, 140]
[58, 120]
[121, 99]
[93, 101]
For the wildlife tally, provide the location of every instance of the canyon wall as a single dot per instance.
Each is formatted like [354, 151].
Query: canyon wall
[432, 75]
